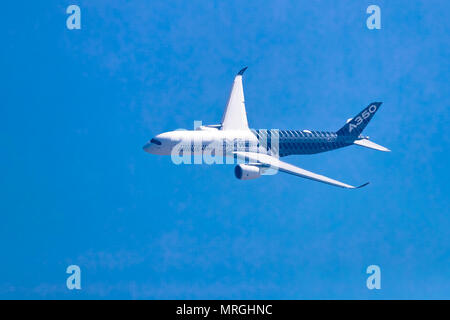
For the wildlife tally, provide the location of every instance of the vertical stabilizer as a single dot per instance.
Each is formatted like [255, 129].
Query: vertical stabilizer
[356, 125]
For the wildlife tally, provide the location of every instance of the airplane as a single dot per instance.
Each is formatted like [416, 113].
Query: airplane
[260, 150]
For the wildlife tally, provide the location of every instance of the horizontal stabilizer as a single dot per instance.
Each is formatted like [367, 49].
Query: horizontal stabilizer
[371, 145]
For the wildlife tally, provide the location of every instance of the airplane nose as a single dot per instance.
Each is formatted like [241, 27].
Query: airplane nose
[147, 147]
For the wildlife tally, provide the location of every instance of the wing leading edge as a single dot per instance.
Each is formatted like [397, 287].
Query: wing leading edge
[267, 160]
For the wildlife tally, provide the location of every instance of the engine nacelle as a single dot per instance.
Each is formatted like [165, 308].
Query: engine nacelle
[247, 172]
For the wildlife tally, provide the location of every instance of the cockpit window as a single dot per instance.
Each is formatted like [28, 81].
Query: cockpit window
[155, 141]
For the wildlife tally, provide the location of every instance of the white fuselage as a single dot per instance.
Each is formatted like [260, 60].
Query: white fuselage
[202, 140]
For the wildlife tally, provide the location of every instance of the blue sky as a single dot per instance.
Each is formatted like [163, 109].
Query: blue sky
[76, 187]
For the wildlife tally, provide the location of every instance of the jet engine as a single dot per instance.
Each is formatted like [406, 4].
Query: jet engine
[247, 172]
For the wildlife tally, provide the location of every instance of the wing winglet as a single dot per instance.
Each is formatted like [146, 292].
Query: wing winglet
[363, 185]
[241, 72]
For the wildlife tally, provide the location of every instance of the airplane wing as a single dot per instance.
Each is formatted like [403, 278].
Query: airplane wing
[235, 116]
[265, 160]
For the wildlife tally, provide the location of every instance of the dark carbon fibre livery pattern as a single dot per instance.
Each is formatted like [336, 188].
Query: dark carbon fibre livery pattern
[291, 142]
